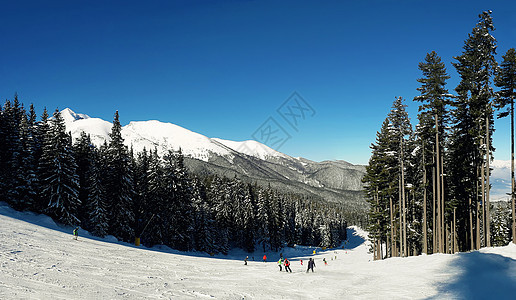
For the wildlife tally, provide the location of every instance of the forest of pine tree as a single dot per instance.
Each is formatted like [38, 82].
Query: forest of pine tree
[110, 190]
[428, 186]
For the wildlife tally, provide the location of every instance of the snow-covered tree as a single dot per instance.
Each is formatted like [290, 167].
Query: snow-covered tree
[118, 185]
[473, 127]
[506, 80]
[57, 171]
[96, 216]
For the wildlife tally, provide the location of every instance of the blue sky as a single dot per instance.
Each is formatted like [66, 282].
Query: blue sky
[223, 68]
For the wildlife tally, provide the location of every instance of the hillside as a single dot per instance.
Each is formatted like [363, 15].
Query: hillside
[41, 260]
[335, 181]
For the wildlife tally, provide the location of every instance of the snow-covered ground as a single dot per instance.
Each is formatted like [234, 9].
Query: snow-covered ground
[40, 260]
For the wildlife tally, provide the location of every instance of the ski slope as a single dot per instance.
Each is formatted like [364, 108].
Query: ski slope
[41, 260]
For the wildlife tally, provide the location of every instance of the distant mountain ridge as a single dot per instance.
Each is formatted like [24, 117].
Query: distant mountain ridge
[336, 181]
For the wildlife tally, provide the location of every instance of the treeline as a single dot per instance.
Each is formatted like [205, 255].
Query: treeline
[109, 190]
[428, 187]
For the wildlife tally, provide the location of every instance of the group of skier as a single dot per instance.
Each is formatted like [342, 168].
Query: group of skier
[284, 262]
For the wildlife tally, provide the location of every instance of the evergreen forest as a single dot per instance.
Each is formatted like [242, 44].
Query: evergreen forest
[428, 186]
[110, 190]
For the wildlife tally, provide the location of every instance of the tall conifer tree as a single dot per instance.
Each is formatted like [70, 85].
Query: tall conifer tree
[119, 188]
[506, 80]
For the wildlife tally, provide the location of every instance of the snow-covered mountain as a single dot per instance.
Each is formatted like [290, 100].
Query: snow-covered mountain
[165, 136]
[250, 160]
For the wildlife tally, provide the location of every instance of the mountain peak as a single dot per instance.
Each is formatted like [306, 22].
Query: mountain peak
[252, 148]
[71, 116]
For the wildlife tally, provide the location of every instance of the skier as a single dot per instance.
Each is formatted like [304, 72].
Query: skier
[311, 265]
[76, 232]
[325, 262]
[287, 265]
[245, 260]
[301, 261]
[264, 258]
[280, 262]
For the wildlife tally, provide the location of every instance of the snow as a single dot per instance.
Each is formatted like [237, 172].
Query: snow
[70, 116]
[252, 148]
[97, 128]
[165, 136]
[40, 259]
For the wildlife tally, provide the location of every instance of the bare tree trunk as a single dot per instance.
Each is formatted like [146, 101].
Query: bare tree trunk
[393, 245]
[388, 251]
[478, 223]
[404, 209]
[471, 245]
[438, 189]
[378, 247]
[411, 205]
[375, 252]
[455, 240]
[446, 239]
[434, 224]
[513, 199]
[381, 249]
[425, 238]
[401, 219]
[443, 214]
[488, 171]
[482, 179]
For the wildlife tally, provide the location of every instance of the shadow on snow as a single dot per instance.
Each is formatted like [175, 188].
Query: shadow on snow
[483, 276]
[297, 252]
[354, 239]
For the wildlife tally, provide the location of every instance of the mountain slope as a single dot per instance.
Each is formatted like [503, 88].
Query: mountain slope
[336, 181]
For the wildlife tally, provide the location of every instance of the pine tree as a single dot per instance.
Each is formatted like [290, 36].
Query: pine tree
[119, 188]
[10, 153]
[42, 132]
[96, 220]
[178, 197]
[402, 128]
[470, 134]
[26, 180]
[141, 191]
[262, 219]
[156, 213]
[501, 224]
[248, 213]
[220, 194]
[380, 175]
[57, 168]
[204, 235]
[275, 220]
[84, 151]
[433, 120]
[506, 80]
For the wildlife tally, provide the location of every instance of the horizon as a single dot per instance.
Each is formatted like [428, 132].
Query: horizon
[323, 75]
[497, 163]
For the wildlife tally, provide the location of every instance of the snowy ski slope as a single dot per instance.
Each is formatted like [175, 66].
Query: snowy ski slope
[40, 260]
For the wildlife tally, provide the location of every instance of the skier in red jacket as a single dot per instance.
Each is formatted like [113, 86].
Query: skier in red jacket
[287, 265]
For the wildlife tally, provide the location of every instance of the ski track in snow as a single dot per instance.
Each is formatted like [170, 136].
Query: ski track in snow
[40, 260]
